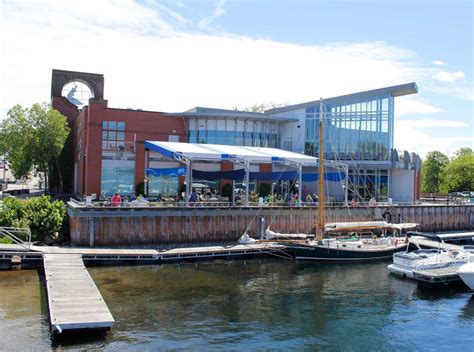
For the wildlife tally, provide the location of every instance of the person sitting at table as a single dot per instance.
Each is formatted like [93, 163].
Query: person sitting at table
[116, 200]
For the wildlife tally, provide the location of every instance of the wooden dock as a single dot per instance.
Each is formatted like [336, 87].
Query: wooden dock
[74, 301]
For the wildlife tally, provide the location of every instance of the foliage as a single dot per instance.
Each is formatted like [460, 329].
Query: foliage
[34, 139]
[140, 189]
[66, 165]
[16, 134]
[458, 175]
[227, 191]
[264, 189]
[264, 106]
[432, 171]
[42, 216]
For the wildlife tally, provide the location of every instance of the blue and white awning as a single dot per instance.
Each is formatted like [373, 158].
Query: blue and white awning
[218, 153]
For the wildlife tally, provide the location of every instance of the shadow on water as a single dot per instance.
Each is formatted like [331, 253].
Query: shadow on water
[68, 339]
[467, 312]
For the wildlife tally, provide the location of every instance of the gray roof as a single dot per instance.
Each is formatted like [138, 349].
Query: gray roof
[216, 113]
[394, 91]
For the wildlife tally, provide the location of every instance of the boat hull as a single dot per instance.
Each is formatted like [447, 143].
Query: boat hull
[466, 273]
[322, 253]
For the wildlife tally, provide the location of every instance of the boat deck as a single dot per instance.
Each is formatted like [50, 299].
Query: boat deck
[444, 275]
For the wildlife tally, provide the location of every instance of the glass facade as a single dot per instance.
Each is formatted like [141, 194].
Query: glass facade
[364, 184]
[250, 139]
[117, 179]
[167, 186]
[354, 130]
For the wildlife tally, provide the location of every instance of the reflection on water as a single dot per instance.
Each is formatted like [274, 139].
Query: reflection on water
[254, 304]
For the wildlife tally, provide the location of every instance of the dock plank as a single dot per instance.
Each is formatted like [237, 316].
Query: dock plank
[74, 301]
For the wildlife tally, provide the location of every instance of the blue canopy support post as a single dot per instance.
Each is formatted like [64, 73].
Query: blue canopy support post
[145, 178]
[300, 184]
[247, 180]
[346, 184]
[188, 180]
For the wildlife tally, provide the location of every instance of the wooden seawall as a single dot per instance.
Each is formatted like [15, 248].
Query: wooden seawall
[162, 226]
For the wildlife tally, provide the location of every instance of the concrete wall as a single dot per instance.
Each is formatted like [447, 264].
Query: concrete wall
[402, 183]
[159, 226]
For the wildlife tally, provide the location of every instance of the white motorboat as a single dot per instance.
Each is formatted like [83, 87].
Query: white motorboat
[412, 264]
[466, 272]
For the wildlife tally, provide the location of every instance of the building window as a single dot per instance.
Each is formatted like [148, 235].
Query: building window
[113, 135]
[166, 186]
[117, 179]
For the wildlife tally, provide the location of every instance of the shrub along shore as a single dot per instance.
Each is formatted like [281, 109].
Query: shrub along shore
[43, 216]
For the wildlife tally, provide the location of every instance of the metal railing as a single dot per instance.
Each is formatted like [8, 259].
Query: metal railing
[14, 233]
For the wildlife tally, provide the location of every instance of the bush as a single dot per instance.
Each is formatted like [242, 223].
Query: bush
[42, 216]
[140, 189]
[227, 191]
[264, 189]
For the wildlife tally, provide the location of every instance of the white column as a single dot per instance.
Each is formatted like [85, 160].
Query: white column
[189, 180]
[247, 179]
[300, 186]
[346, 184]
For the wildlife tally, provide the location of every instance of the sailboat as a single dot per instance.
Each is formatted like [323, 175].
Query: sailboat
[349, 241]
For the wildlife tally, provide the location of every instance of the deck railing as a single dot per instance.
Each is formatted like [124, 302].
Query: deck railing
[15, 235]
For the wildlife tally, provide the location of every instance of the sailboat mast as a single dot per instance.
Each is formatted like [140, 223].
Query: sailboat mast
[320, 226]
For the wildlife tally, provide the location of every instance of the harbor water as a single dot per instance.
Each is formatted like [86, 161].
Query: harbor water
[255, 304]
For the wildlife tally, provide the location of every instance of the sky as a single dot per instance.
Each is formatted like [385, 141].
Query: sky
[170, 56]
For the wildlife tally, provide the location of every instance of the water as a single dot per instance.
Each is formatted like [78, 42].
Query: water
[249, 305]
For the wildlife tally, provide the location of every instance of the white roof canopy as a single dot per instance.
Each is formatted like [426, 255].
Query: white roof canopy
[217, 153]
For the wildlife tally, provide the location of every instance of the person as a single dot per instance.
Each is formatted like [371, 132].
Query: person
[296, 201]
[372, 202]
[315, 198]
[133, 197]
[354, 202]
[116, 200]
[193, 197]
[309, 199]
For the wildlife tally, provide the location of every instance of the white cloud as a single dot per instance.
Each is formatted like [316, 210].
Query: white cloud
[411, 135]
[149, 64]
[445, 76]
[413, 105]
[217, 12]
[439, 63]
[433, 123]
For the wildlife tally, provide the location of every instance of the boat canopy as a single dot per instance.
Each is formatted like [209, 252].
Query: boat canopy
[365, 225]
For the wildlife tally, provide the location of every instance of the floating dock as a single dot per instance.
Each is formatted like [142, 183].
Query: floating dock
[445, 276]
[74, 301]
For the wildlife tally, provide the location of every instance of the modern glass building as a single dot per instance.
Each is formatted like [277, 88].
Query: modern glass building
[109, 153]
[358, 130]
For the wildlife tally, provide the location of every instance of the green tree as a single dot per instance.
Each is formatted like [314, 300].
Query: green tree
[34, 139]
[459, 173]
[432, 171]
[262, 107]
[17, 134]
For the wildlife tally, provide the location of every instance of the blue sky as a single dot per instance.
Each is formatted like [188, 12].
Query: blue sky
[173, 55]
